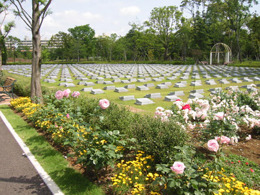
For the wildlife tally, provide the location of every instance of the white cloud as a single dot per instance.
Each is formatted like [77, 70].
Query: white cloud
[132, 10]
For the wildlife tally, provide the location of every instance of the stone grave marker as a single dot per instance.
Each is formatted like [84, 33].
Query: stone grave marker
[89, 84]
[171, 98]
[149, 84]
[177, 93]
[97, 91]
[108, 82]
[127, 98]
[142, 88]
[153, 95]
[87, 89]
[120, 90]
[196, 95]
[109, 88]
[69, 85]
[143, 101]
[131, 86]
[161, 86]
[211, 82]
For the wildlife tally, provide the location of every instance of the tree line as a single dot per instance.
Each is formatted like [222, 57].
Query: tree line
[167, 35]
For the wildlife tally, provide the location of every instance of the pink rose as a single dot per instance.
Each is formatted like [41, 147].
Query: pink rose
[66, 92]
[75, 94]
[213, 145]
[67, 115]
[187, 106]
[178, 167]
[219, 115]
[224, 140]
[59, 95]
[104, 103]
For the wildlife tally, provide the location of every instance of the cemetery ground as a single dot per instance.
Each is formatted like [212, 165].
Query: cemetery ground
[249, 149]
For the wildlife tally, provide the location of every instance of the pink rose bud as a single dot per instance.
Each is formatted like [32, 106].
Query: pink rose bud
[213, 145]
[67, 115]
[104, 103]
[178, 167]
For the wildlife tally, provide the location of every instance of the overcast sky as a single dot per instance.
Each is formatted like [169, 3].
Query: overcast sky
[104, 16]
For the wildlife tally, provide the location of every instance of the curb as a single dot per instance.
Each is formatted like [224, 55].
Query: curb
[46, 178]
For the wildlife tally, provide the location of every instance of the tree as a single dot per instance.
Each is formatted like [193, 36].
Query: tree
[254, 26]
[34, 23]
[84, 40]
[183, 36]
[236, 13]
[62, 42]
[6, 27]
[163, 22]
[12, 45]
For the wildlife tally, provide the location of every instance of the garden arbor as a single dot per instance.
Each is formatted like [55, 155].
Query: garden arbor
[220, 50]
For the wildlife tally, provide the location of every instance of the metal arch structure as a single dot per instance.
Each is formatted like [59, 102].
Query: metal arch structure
[218, 49]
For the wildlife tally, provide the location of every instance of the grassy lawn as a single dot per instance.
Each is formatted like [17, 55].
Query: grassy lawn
[69, 180]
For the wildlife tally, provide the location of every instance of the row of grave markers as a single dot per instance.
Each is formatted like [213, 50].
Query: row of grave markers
[141, 73]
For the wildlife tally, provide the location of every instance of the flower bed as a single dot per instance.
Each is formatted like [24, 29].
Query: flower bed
[153, 155]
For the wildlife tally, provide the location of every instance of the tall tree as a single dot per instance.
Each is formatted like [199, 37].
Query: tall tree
[5, 28]
[254, 26]
[34, 22]
[12, 45]
[62, 44]
[84, 40]
[236, 13]
[163, 22]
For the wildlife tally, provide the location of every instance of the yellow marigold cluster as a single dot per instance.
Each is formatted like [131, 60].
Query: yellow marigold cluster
[43, 124]
[134, 173]
[21, 100]
[229, 185]
[30, 110]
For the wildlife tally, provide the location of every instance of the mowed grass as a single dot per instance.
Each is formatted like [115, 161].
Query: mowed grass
[148, 109]
[70, 181]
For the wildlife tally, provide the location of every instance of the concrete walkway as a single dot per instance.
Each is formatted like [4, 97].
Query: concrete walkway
[20, 172]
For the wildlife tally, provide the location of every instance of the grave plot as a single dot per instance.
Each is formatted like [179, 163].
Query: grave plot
[161, 86]
[132, 74]
[131, 86]
[153, 95]
[171, 98]
[97, 91]
[142, 88]
[177, 93]
[143, 101]
[120, 90]
[127, 98]
[87, 89]
[109, 88]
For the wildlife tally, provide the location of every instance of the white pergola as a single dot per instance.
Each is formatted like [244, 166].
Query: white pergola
[218, 49]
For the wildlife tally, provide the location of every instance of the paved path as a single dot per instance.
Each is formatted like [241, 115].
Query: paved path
[18, 176]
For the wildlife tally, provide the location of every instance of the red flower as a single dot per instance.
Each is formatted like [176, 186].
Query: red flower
[252, 170]
[187, 106]
[178, 100]
[238, 161]
[247, 163]
[232, 162]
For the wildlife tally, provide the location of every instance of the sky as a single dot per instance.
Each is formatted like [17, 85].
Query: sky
[104, 16]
